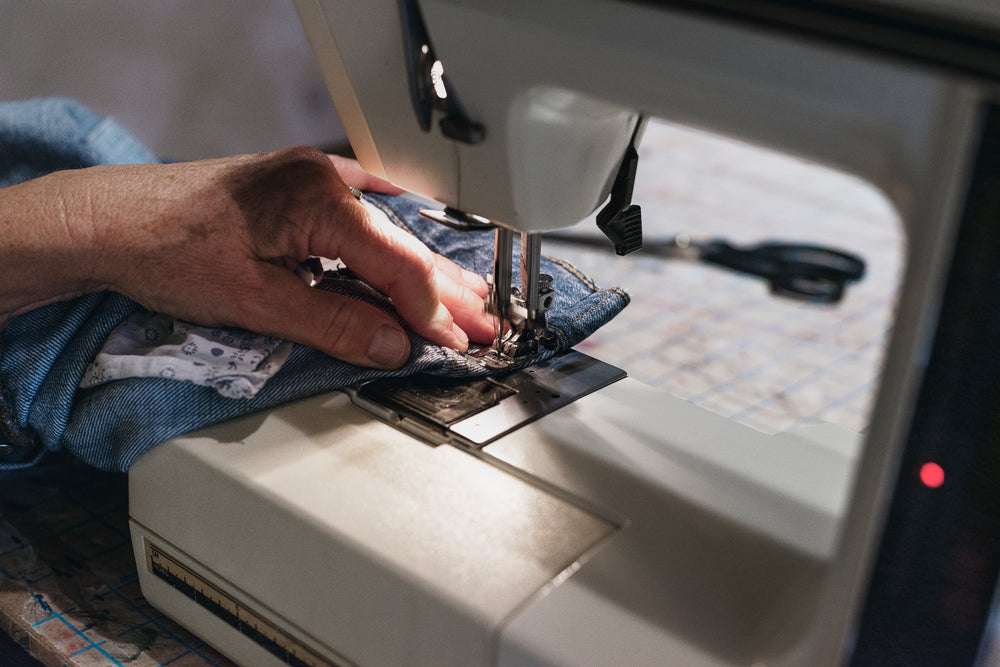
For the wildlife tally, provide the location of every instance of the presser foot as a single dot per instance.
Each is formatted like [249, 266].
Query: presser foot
[521, 323]
[523, 344]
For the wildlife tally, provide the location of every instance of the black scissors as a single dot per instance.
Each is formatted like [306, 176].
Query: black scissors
[811, 272]
[798, 270]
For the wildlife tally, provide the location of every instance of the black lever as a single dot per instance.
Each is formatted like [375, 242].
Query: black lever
[621, 220]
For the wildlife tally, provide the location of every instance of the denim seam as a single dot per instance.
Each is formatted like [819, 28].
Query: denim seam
[622, 293]
[607, 294]
[576, 272]
[389, 213]
[460, 362]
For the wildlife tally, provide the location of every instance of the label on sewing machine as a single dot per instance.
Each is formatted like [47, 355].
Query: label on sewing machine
[234, 612]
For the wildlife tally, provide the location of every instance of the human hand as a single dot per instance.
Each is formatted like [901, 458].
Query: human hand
[216, 242]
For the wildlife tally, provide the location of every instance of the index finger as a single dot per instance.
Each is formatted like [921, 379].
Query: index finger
[398, 264]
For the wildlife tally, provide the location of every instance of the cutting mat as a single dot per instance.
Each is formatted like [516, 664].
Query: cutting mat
[69, 590]
[719, 338]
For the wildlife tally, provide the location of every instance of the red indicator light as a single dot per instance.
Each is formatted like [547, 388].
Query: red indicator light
[932, 475]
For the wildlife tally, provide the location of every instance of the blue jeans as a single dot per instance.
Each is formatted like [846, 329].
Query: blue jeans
[44, 352]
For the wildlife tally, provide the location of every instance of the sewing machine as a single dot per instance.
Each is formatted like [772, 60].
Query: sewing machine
[619, 525]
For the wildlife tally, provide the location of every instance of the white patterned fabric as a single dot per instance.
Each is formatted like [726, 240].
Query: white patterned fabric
[236, 363]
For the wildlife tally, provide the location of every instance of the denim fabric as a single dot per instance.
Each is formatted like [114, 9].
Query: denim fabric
[580, 307]
[44, 353]
[48, 134]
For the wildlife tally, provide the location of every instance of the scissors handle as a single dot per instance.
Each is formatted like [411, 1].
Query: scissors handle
[792, 269]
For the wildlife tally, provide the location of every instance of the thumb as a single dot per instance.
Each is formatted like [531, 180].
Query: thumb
[337, 325]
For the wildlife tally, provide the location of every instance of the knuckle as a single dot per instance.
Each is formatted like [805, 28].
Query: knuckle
[340, 329]
[301, 154]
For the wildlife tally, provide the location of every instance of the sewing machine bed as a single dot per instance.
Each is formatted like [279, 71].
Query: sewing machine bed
[705, 335]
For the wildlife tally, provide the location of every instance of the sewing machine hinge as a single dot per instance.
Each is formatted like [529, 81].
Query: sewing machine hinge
[429, 88]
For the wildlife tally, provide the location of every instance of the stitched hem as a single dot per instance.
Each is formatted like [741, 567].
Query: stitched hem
[608, 293]
[576, 272]
[391, 214]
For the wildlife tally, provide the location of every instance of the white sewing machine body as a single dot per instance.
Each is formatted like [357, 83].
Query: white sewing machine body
[627, 527]
[609, 539]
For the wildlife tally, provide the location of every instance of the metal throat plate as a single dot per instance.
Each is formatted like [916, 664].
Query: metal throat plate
[474, 412]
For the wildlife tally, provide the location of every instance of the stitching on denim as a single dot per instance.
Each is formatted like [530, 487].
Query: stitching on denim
[576, 272]
[389, 213]
[452, 358]
[344, 282]
[607, 294]
[622, 293]
[463, 363]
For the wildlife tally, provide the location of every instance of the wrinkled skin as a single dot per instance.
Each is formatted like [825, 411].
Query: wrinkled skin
[216, 242]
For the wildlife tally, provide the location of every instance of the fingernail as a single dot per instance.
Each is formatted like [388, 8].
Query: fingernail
[389, 347]
[463, 338]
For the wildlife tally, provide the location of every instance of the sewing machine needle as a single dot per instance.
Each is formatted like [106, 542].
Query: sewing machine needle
[503, 257]
[531, 257]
